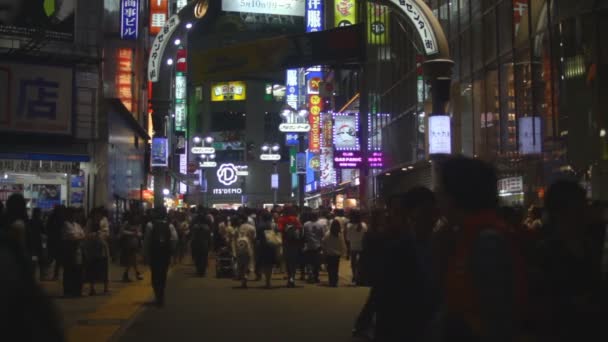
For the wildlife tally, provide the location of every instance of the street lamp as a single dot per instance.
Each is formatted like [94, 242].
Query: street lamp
[166, 192]
[189, 26]
[271, 153]
[177, 41]
[196, 139]
[170, 61]
[209, 140]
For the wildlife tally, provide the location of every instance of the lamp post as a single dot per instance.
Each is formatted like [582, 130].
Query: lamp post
[271, 153]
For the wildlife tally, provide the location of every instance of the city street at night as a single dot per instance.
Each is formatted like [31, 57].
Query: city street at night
[303, 170]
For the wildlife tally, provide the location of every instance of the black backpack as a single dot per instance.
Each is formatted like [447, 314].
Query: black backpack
[293, 234]
[160, 238]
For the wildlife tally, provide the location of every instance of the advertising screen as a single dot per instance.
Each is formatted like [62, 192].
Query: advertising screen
[28, 17]
[440, 137]
[160, 152]
[228, 91]
[530, 138]
[346, 130]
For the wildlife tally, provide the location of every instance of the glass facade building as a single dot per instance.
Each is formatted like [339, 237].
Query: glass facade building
[528, 93]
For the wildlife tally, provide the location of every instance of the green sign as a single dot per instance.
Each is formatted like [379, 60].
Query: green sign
[292, 160]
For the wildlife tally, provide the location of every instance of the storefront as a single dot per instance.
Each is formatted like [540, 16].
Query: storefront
[46, 180]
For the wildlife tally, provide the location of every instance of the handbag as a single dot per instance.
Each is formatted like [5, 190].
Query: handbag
[272, 238]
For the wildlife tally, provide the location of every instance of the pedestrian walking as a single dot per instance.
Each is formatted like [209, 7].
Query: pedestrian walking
[373, 244]
[244, 249]
[200, 242]
[269, 245]
[35, 237]
[26, 312]
[73, 255]
[334, 247]
[355, 230]
[313, 235]
[130, 238]
[485, 290]
[97, 253]
[293, 241]
[54, 229]
[159, 244]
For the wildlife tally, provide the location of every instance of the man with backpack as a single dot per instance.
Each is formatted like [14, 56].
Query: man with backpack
[485, 290]
[293, 241]
[159, 243]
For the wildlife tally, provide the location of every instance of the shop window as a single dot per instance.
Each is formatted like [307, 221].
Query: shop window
[508, 118]
[489, 36]
[479, 116]
[464, 13]
[478, 44]
[465, 114]
[490, 120]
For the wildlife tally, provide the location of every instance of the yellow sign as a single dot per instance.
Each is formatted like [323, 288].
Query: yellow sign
[345, 12]
[377, 30]
[228, 91]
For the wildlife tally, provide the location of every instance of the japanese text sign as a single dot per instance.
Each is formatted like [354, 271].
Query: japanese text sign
[347, 160]
[292, 87]
[129, 19]
[421, 23]
[314, 15]
[36, 98]
[315, 103]
[158, 15]
[124, 78]
[158, 48]
[440, 136]
[275, 7]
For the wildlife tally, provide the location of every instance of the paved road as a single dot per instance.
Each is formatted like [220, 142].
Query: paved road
[209, 309]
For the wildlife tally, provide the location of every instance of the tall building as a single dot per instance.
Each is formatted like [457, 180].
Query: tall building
[72, 94]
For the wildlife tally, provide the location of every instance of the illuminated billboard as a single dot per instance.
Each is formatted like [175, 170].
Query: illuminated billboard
[228, 91]
[346, 129]
[276, 7]
[54, 19]
[345, 13]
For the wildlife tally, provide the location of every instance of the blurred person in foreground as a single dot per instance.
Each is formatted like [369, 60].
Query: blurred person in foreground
[159, 244]
[26, 313]
[569, 262]
[485, 289]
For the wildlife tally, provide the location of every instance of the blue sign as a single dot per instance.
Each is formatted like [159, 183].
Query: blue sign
[310, 172]
[129, 23]
[160, 152]
[291, 86]
[314, 15]
[291, 139]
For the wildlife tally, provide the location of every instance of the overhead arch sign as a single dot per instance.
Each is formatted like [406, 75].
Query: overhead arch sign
[158, 47]
[421, 22]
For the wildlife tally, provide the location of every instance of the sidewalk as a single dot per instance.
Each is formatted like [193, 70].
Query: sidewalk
[98, 318]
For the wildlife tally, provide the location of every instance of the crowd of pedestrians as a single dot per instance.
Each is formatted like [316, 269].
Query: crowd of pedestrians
[443, 265]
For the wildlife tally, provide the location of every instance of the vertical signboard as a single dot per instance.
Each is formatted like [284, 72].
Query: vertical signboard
[328, 173]
[314, 15]
[292, 88]
[158, 15]
[377, 31]
[530, 137]
[440, 136]
[345, 13]
[129, 19]
[160, 152]
[124, 78]
[181, 4]
[315, 104]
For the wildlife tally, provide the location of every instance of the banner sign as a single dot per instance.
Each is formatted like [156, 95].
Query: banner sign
[124, 78]
[180, 116]
[183, 165]
[159, 45]
[158, 15]
[327, 131]
[328, 173]
[376, 160]
[315, 103]
[181, 60]
[180, 143]
[346, 129]
[345, 13]
[36, 98]
[275, 7]
[314, 15]
[292, 159]
[301, 163]
[440, 137]
[312, 165]
[129, 19]
[34, 166]
[377, 31]
[274, 181]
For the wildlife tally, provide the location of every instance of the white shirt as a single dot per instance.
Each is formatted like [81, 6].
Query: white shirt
[355, 237]
[333, 245]
[72, 231]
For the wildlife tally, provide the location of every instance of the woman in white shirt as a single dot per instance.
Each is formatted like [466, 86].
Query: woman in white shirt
[355, 230]
[334, 247]
[72, 235]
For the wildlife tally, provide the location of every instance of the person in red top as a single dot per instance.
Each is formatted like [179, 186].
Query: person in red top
[291, 230]
[484, 289]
